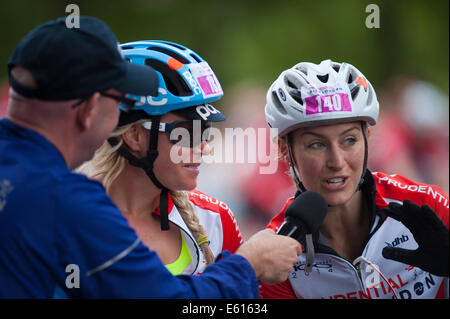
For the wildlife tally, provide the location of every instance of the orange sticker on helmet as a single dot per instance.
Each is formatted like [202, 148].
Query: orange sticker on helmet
[361, 81]
[174, 64]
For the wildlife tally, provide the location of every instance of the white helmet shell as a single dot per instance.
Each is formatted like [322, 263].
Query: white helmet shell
[309, 94]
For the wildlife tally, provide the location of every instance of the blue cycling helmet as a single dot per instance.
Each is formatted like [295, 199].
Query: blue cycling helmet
[186, 84]
[185, 78]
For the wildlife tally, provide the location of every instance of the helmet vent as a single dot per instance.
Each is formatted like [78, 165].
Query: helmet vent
[294, 92]
[196, 58]
[323, 78]
[302, 69]
[291, 85]
[173, 80]
[354, 92]
[277, 103]
[170, 53]
[351, 77]
[336, 67]
[127, 48]
[174, 45]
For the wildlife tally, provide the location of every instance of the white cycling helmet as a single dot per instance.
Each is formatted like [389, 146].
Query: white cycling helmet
[309, 94]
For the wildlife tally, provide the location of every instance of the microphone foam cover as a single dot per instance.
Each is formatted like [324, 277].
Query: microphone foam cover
[310, 208]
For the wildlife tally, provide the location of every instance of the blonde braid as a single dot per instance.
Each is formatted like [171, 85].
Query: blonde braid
[186, 209]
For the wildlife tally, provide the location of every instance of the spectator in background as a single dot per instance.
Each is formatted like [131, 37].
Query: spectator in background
[412, 138]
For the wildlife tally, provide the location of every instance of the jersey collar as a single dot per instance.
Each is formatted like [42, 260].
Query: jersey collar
[157, 211]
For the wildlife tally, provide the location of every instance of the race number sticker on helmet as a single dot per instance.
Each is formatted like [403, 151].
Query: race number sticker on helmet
[206, 78]
[338, 102]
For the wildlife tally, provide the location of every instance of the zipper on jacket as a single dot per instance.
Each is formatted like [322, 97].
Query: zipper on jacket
[357, 270]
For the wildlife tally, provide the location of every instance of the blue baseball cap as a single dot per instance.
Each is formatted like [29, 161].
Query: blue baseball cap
[70, 63]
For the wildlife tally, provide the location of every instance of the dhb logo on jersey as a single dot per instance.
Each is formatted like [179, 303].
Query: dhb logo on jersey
[398, 240]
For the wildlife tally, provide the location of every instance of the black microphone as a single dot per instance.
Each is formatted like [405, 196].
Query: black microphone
[304, 215]
[302, 219]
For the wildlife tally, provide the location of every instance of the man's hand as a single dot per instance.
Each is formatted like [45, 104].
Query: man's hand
[430, 233]
[271, 256]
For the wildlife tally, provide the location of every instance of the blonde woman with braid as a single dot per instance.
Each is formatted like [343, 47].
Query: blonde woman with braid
[186, 228]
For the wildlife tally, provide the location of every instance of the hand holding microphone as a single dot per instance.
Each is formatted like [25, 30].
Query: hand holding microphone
[272, 256]
[302, 219]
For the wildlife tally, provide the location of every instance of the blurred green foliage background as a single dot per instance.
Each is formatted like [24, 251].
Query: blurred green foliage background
[250, 40]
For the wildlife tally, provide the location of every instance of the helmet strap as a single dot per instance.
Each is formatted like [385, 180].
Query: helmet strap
[146, 163]
[164, 209]
[293, 167]
[366, 156]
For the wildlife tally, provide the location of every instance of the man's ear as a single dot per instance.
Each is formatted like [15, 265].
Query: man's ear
[87, 112]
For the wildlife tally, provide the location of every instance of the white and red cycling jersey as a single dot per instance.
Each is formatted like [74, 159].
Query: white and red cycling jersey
[334, 277]
[220, 225]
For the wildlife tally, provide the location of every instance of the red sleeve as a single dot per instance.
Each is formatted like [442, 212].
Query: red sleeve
[398, 187]
[441, 207]
[278, 219]
[279, 291]
[232, 237]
